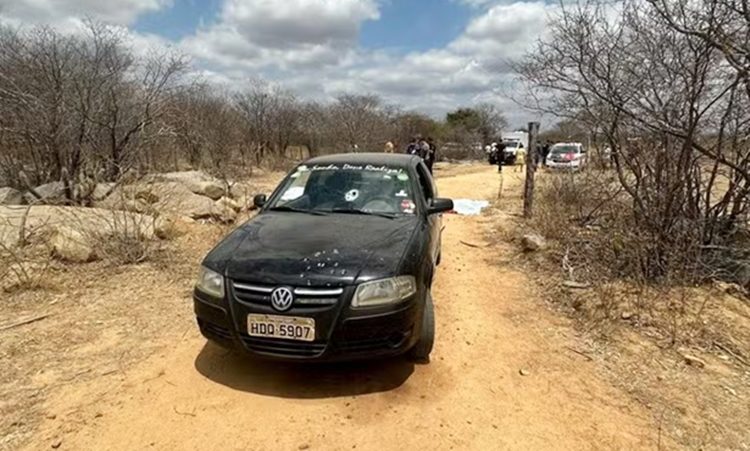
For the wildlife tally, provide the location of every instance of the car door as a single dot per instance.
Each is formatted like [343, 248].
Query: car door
[433, 222]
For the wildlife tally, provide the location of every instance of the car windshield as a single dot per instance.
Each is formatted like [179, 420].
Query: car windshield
[558, 150]
[345, 188]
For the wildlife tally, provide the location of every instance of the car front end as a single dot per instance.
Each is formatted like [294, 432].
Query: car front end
[565, 158]
[372, 319]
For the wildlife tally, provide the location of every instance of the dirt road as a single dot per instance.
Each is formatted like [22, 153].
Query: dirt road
[490, 326]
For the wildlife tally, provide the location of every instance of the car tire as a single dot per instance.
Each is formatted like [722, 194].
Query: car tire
[421, 351]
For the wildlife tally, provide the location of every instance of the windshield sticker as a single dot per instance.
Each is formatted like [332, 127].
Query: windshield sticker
[402, 176]
[351, 195]
[407, 206]
[401, 193]
[295, 192]
[302, 168]
[352, 167]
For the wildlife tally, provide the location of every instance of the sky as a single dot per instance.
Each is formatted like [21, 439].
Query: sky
[430, 56]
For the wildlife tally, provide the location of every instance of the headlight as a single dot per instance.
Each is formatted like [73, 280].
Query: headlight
[385, 291]
[210, 282]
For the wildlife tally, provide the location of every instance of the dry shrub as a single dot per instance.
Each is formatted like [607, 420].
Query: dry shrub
[600, 237]
[120, 236]
[23, 266]
[592, 225]
[127, 240]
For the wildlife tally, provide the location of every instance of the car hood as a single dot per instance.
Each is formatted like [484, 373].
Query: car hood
[306, 250]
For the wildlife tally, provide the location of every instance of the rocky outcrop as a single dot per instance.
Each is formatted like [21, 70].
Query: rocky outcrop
[196, 181]
[50, 194]
[10, 196]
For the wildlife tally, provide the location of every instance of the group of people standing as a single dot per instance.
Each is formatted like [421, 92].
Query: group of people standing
[425, 148]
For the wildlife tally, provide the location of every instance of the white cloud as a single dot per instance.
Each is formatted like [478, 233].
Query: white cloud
[294, 23]
[289, 34]
[310, 46]
[65, 13]
[504, 32]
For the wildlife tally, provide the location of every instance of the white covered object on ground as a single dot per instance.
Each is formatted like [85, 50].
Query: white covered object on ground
[469, 207]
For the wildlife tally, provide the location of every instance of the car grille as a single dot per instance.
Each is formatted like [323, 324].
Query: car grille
[283, 347]
[260, 294]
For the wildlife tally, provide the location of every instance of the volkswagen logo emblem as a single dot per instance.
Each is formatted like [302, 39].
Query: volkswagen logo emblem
[282, 299]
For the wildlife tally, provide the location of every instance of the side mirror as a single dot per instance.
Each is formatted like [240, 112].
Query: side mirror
[259, 200]
[439, 206]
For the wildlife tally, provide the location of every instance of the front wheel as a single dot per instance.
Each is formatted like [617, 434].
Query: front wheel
[421, 351]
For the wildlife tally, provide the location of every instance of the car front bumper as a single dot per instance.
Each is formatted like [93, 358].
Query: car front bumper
[341, 333]
[563, 165]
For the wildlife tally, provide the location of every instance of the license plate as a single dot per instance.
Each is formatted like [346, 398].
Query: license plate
[284, 327]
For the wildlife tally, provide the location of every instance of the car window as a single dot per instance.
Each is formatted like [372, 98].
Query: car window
[562, 149]
[425, 183]
[338, 187]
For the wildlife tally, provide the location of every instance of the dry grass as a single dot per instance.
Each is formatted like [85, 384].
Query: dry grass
[641, 331]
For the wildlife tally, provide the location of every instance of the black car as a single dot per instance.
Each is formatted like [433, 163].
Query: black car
[337, 265]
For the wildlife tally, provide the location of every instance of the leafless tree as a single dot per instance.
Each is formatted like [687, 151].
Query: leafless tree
[261, 105]
[77, 107]
[360, 119]
[670, 106]
[491, 121]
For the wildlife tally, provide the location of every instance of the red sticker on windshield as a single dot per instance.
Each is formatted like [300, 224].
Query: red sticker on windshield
[407, 206]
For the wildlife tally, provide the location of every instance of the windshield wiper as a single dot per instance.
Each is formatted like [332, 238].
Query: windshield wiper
[352, 211]
[297, 210]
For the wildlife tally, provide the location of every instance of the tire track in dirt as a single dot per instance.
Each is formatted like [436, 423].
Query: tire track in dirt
[194, 395]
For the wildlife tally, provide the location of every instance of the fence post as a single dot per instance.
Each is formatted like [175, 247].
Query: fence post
[528, 191]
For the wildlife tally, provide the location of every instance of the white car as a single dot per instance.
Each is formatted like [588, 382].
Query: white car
[567, 156]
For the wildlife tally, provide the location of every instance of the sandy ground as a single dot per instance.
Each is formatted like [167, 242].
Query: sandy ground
[503, 375]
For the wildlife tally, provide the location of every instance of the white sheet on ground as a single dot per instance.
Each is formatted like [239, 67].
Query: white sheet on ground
[469, 207]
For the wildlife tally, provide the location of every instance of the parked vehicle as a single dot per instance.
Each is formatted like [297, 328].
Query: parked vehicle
[570, 156]
[516, 145]
[514, 151]
[337, 265]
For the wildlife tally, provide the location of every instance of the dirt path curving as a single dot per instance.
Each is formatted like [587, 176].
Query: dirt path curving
[193, 395]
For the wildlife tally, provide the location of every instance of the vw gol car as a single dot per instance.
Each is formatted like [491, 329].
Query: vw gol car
[337, 265]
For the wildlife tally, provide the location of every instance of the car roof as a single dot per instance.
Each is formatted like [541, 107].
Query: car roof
[373, 158]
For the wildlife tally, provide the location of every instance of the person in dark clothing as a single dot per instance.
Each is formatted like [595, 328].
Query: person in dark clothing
[413, 147]
[432, 154]
[500, 149]
[545, 151]
[538, 154]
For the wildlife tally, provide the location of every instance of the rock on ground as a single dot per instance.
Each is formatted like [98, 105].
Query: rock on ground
[101, 190]
[71, 245]
[10, 196]
[533, 242]
[196, 181]
[226, 202]
[166, 198]
[73, 232]
[51, 193]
